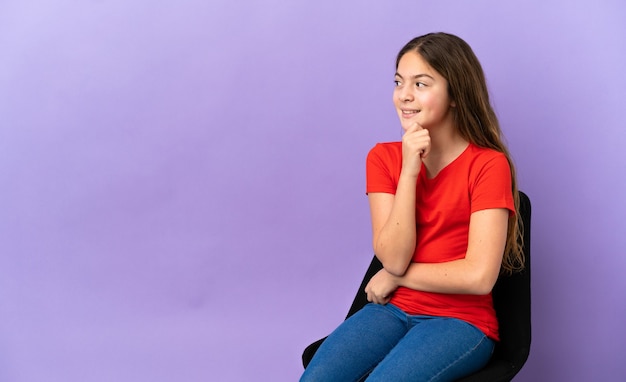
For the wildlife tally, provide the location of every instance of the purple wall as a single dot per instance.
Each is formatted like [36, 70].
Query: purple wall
[182, 189]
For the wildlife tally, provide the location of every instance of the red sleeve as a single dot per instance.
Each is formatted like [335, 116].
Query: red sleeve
[491, 185]
[383, 168]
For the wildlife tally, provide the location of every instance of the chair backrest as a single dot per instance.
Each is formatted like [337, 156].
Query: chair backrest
[511, 296]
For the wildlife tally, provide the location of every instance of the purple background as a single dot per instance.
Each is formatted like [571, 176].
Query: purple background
[182, 183]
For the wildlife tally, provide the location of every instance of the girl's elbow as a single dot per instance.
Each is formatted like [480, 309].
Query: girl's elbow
[482, 289]
[396, 268]
[483, 285]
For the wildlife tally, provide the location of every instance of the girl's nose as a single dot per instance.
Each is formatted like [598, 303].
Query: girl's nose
[405, 95]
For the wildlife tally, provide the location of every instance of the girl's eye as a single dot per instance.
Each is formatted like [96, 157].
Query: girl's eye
[420, 84]
[396, 82]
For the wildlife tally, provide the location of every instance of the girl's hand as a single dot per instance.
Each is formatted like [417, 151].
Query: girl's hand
[415, 147]
[381, 287]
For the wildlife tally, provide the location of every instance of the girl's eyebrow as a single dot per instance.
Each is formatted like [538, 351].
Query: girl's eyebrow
[417, 76]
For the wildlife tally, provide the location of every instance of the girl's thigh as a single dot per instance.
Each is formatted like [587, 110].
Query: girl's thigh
[435, 349]
[357, 345]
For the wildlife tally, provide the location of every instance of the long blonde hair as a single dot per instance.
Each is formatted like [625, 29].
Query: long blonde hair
[474, 117]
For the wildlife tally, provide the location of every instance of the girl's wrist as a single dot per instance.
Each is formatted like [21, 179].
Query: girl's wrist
[409, 174]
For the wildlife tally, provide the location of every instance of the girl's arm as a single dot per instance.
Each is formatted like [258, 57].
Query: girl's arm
[475, 274]
[393, 216]
[393, 226]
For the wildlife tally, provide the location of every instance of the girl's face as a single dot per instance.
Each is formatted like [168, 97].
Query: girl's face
[421, 94]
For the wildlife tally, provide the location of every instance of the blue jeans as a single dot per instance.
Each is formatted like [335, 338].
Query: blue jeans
[388, 345]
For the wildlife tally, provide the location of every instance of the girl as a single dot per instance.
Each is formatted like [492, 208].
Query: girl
[442, 204]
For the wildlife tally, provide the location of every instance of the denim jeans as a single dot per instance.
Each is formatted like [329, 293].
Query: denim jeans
[388, 345]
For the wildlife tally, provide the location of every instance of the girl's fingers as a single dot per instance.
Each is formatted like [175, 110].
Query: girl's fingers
[413, 128]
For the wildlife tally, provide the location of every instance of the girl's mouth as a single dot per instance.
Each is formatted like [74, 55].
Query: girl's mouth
[409, 113]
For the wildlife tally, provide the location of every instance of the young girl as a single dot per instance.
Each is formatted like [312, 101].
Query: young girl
[443, 205]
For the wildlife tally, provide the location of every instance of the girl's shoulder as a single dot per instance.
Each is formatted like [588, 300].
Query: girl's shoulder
[476, 152]
[387, 148]
[386, 152]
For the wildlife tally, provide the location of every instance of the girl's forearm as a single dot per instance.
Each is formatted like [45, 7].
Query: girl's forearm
[453, 277]
[395, 243]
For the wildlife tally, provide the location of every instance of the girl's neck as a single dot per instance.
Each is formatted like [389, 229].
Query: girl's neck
[446, 146]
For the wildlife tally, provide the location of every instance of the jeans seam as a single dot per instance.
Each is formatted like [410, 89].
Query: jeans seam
[399, 315]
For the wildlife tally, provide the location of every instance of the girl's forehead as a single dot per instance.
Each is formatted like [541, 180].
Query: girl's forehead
[412, 64]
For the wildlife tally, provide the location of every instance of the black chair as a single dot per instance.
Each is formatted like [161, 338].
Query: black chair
[511, 296]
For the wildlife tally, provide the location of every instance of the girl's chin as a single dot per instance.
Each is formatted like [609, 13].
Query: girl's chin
[407, 124]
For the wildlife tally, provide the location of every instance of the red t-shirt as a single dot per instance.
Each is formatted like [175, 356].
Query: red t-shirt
[478, 179]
